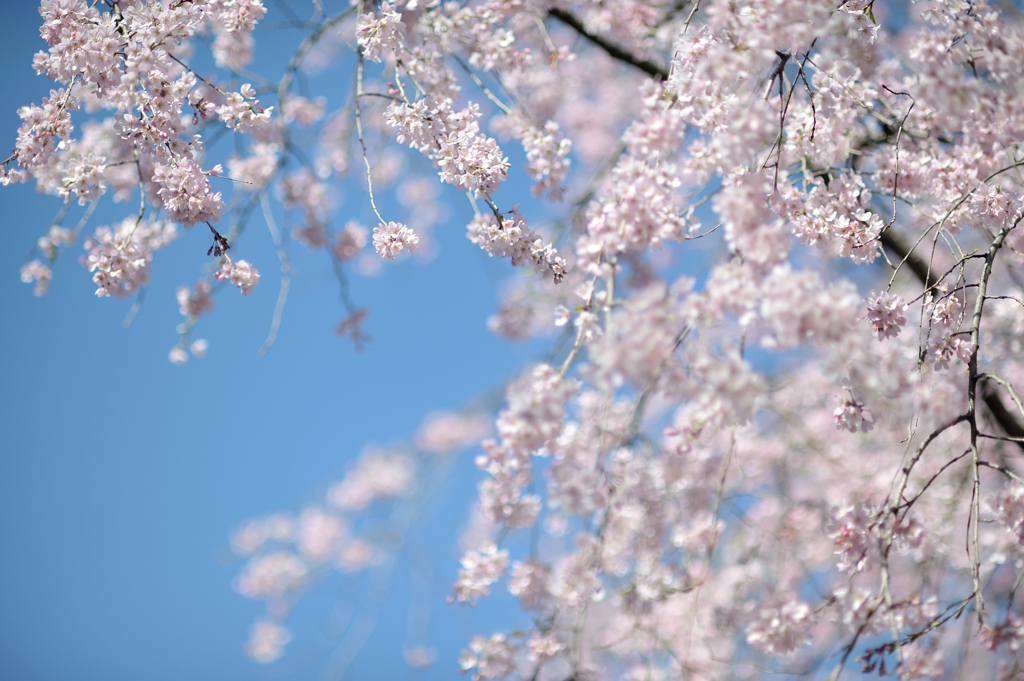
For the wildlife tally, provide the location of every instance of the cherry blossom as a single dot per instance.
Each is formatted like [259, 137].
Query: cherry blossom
[780, 630]
[119, 257]
[241, 273]
[887, 314]
[267, 640]
[480, 569]
[391, 239]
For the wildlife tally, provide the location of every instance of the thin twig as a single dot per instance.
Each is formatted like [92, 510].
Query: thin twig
[282, 296]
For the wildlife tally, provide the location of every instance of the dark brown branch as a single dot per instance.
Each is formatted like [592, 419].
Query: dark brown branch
[1008, 421]
[614, 51]
[905, 252]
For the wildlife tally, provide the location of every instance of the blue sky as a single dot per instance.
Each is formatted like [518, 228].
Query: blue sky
[121, 475]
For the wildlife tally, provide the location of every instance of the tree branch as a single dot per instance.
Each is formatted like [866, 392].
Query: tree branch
[1007, 420]
[905, 252]
[614, 51]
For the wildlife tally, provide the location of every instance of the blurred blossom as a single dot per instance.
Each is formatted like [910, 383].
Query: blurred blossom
[419, 656]
[378, 474]
[319, 534]
[444, 432]
[271, 575]
[266, 642]
[356, 555]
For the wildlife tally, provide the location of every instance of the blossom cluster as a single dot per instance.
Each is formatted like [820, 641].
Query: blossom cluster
[119, 256]
[130, 61]
[512, 238]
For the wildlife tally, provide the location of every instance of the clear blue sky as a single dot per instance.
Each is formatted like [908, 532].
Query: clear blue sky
[122, 475]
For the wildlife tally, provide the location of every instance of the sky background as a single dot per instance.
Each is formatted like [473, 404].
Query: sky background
[121, 475]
